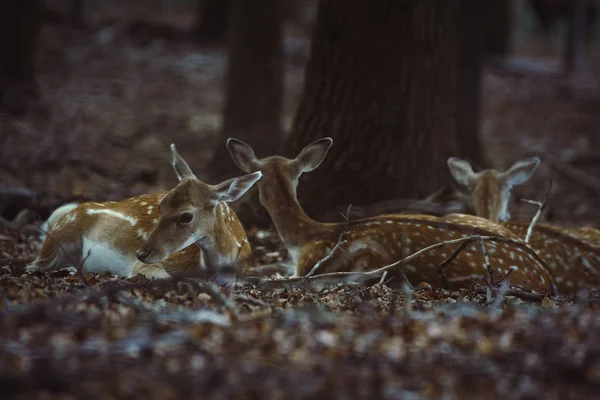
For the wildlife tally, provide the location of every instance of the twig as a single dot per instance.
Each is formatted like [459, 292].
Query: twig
[538, 214]
[330, 254]
[500, 294]
[405, 250]
[366, 275]
[505, 276]
[514, 291]
[80, 268]
[486, 259]
[451, 258]
[380, 283]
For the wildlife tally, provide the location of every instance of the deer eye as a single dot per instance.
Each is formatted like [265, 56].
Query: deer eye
[185, 218]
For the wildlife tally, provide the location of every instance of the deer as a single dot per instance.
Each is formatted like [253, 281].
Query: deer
[156, 235]
[573, 254]
[369, 243]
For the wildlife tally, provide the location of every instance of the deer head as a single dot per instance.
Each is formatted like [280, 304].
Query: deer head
[287, 170]
[491, 188]
[190, 212]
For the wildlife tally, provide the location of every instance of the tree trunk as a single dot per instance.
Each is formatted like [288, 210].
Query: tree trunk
[382, 82]
[77, 13]
[212, 21]
[498, 17]
[470, 58]
[19, 25]
[254, 82]
[574, 53]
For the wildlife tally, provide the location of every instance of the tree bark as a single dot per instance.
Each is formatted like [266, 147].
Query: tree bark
[212, 20]
[19, 25]
[77, 13]
[470, 59]
[498, 17]
[382, 82]
[254, 82]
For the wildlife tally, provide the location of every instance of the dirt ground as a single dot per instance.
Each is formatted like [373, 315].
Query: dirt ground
[118, 99]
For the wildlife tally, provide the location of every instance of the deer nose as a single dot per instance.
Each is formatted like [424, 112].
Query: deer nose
[142, 255]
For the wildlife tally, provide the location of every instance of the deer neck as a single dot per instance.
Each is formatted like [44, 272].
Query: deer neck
[224, 244]
[294, 227]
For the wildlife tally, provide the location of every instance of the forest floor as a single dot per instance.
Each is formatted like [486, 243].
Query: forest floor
[117, 100]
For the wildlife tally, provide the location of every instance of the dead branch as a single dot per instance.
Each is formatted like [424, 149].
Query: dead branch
[451, 258]
[318, 281]
[538, 214]
[505, 276]
[514, 291]
[380, 283]
[330, 254]
[486, 259]
[500, 295]
[80, 268]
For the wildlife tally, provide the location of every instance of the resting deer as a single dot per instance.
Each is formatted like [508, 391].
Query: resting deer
[156, 234]
[573, 254]
[374, 242]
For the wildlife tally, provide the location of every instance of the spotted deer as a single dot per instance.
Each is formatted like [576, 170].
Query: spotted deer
[573, 254]
[155, 234]
[374, 242]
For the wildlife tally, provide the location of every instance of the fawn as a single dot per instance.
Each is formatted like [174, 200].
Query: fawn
[573, 254]
[153, 234]
[374, 242]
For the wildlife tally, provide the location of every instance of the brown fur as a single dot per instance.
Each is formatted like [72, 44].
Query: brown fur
[375, 242]
[63, 244]
[486, 196]
[572, 254]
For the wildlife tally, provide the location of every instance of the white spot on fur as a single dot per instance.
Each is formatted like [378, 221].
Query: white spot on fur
[142, 234]
[116, 214]
[144, 203]
[150, 210]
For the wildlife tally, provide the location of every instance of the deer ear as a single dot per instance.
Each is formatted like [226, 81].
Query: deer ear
[312, 155]
[462, 172]
[234, 188]
[242, 155]
[520, 172]
[182, 169]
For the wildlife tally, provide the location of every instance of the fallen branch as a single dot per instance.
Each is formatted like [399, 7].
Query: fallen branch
[486, 259]
[451, 258]
[330, 254]
[514, 291]
[538, 214]
[363, 276]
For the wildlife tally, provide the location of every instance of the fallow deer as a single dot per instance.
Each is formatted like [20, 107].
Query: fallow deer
[370, 243]
[155, 234]
[573, 254]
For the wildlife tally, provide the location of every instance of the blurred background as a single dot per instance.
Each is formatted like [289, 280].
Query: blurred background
[92, 92]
